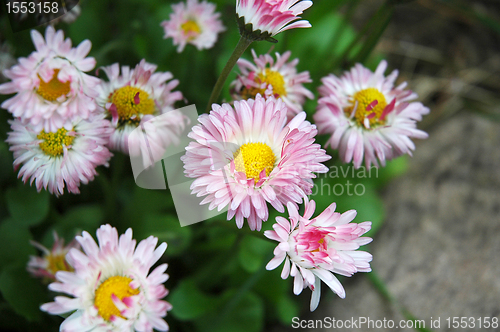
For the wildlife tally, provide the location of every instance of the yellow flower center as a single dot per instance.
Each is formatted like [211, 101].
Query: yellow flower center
[191, 29]
[128, 103]
[252, 158]
[120, 287]
[58, 263]
[268, 77]
[54, 88]
[369, 101]
[53, 142]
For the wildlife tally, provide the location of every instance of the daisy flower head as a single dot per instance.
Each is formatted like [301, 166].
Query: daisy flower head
[194, 23]
[110, 287]
[269, 78]
[53, 260]
[248, 155]
[136, 96]
[367, 116]
[263, 19]
[314, 249]
[63, 158]
[52, 89]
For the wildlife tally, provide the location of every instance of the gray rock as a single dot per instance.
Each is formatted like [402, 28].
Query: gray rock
[439, 249]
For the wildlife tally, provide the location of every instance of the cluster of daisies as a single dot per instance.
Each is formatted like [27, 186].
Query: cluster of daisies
[255, 152]
[66, 121]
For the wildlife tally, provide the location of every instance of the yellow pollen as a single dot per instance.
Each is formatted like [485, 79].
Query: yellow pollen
[364, 99]
[118, 285]
[54, 88]
[58, 263]
[53, 142]
[191, 29]
[124, 100]
[321, 241]
[252, 158]
[268, 77]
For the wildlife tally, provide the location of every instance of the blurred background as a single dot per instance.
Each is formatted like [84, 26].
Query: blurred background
[436, 215]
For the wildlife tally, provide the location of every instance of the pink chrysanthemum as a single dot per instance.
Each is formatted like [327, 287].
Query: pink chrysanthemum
[64, 158]
[314, 249]
[367, 116]
[262, 19]
[194, 23]
[248, 155]
[111, 288]
[51, 87]
[52, 261]
[136, 96]
[268, 78]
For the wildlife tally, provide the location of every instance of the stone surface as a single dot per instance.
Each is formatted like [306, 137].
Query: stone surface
[438, 251]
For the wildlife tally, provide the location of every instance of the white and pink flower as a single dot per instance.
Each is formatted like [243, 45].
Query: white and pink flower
[52, 261]
[111, 288]
[269, 78]
[137, 96]
[367, 116]
[247, 156]
[314, 249]
[194, 23]
[263, 19]
[61, 159]
[52, 89]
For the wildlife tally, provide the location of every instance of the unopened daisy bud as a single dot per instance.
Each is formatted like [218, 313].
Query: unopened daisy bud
[52, 261]
[315, 249]
[263, 19]
[367, 117]
[111, 288]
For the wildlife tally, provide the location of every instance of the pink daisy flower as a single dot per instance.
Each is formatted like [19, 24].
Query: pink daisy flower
[268, 78]
[247, 156]
[194, 23]
[52, 260]
[263, 19]
[64, 158]
[314, 249]
[110, 287]
[137, 96]
[52, 89]
[367, 116]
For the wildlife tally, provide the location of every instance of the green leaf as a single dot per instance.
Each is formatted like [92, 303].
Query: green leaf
[83, 217]
[31, 214]
[252, 252]
[287, 309]
[246, 316]
[22, 292]
[14, 243]
[189, 302]
[393, 169]
[167, 229]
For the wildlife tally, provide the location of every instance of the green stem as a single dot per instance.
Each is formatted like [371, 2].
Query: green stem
[240, 48]
[109, 198]
[375, 18]
[338, 33]
[374, 37]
